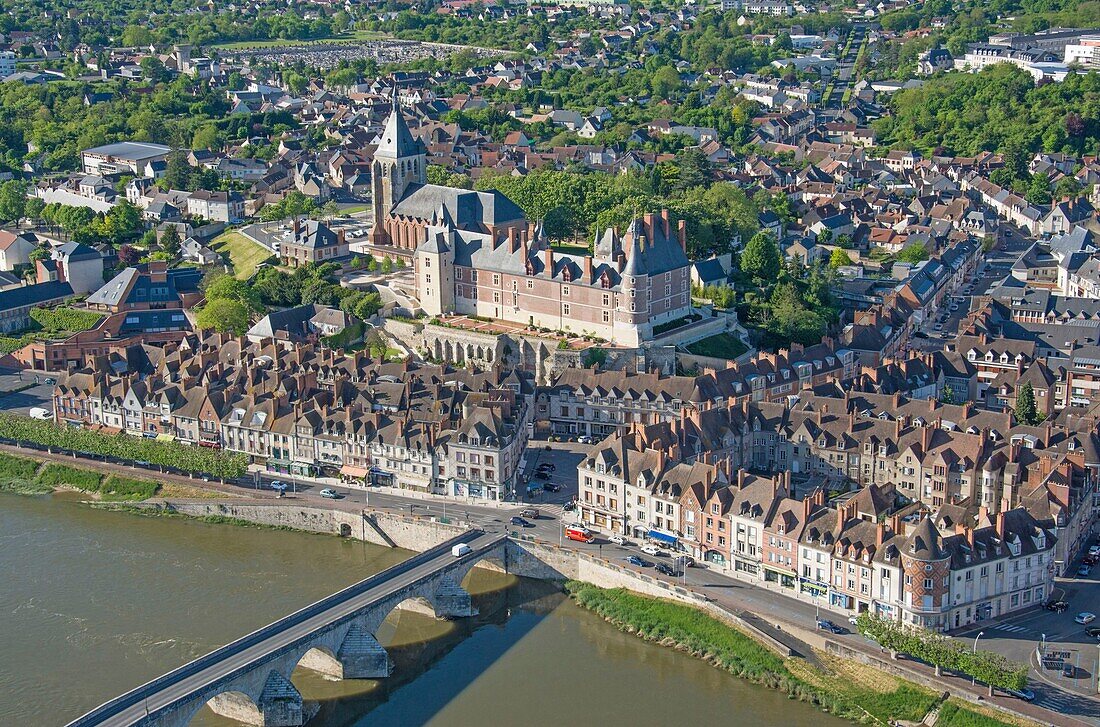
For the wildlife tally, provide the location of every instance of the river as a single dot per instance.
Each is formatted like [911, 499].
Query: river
[96, 602]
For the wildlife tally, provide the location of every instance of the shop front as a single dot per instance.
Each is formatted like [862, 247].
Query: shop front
[815, 589]
[663, 538]
[748, 567]
[784, 578]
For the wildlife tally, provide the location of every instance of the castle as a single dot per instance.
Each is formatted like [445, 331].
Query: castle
[476, 253]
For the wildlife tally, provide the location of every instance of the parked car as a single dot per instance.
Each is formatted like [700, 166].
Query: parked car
[330, 493]
[551, 487]
[827, 625]
[585, 440]
[1084, 571]
[1094, 632]
[277, 486]
[542, 475]
[618, 540]
[651, 549]
[1085, 617]
[1025, 694]
[640, 562]
[853, 619]
[521, 522]
[1094, 551]
[530, 512]
[1090, 560]
[684, 561]
[569, 506]
[666, 570]
[1068, 670]
[547, 466]
[1057, 606]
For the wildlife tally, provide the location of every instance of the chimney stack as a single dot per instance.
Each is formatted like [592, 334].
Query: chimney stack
[740, 478]
[682, 232]
[587, 269]
[550, 262]
[880, 534]
[1001, 525]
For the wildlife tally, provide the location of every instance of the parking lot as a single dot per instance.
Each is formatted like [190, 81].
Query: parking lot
[19, 393]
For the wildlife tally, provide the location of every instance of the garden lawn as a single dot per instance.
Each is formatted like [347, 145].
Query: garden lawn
[244, 254]
[722, 345]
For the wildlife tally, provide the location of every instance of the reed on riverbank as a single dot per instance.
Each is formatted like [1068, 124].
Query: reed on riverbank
[854, 691]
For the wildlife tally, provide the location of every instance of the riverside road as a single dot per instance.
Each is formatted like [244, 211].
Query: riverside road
[1060, 703]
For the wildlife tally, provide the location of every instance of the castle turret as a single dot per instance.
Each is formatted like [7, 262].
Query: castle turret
[435, 266]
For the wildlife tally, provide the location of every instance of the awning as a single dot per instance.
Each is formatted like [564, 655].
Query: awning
[661, 537]
[352, 471]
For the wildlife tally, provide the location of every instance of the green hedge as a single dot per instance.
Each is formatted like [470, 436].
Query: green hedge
[60, 475]
[65, 319]
[227, 465]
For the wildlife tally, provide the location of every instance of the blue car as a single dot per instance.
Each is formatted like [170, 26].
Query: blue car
[640, 562]
[521, 522]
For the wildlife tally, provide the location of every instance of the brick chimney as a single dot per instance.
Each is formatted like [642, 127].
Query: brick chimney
[740, 478]
[550, 262]
[340, 239]
[682, 233]
[880, 535]
[1001, 525]
[588, 269]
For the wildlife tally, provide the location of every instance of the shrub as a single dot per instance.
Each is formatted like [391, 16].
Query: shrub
[955, 715]
[17, 473]
[60, 475]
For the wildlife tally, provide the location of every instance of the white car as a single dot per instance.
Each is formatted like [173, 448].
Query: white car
[1094, 551]
[651, 549]
[853, 619]
[277, 486]
[617, 540]
[1085, 617]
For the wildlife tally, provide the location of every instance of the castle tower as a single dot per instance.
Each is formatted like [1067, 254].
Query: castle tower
[399, 162]
[435, 266]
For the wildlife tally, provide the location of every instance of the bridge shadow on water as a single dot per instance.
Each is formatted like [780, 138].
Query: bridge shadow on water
[437, 659]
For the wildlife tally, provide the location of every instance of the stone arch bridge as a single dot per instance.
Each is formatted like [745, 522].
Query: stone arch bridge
[249, 679]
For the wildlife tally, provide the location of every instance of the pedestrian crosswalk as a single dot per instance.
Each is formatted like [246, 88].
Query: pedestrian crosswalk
[1057, 702]
[1009, 627]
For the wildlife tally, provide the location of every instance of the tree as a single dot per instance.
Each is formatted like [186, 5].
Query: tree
[170, 241]
[375, 343]
[13, 200]
[135, 36]
[227, 287]
[223, 315]
[760, 260]
[1026, 411]
[33, 208]
[387, 265]
[838, 259]
[947, 396]
[665, 82]
[129, 255]
[594, 356]
[913, 253]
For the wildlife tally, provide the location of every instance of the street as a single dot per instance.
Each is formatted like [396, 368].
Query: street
[1015, 637]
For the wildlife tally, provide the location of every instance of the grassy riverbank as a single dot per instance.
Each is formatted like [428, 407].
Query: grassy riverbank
[840, 687]
[30, 477]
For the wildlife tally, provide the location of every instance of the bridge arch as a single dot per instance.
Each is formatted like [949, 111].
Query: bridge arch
[229, 703]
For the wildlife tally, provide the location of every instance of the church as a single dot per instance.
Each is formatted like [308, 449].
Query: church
[476, 253]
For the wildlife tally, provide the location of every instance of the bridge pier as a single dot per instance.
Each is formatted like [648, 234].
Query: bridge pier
[452, 600]
[362, 657]
[280, 705]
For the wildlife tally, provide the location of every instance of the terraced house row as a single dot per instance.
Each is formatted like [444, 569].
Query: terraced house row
[310, 410]
[647, 480]
[941, 567]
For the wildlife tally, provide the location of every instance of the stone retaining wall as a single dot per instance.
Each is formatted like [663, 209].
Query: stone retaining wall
[408, 532]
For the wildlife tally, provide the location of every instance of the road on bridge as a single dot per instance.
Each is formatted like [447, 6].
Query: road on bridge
[177, 685]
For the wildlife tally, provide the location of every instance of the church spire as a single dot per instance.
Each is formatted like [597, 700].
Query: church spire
[397, 140]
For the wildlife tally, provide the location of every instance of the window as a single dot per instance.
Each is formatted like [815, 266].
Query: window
[565, 291]
[496, 279]
[928, 583]
[565, 309]
[530, 284]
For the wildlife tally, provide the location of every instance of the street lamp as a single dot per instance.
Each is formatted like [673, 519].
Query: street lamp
[974, 678]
